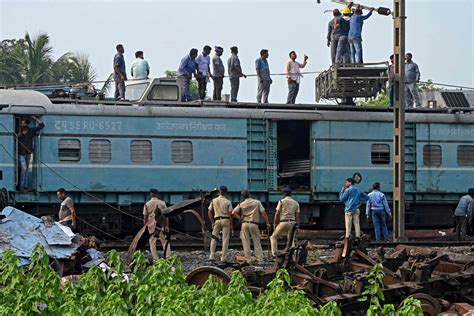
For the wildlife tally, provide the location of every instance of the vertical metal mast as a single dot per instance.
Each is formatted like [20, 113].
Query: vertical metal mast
[399, 121]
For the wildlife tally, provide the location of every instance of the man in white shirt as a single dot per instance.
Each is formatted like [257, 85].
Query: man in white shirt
[140, 68]
[293, 75]
[203, 70]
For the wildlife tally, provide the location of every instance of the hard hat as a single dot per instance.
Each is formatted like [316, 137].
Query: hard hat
[346, 10]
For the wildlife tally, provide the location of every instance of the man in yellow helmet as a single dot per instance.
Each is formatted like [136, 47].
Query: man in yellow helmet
[343, 53]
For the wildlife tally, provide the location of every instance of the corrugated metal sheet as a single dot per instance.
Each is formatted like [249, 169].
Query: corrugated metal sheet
[20, 232]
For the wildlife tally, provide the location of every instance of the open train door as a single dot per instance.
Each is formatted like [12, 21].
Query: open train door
[294, 155]
[33, 161]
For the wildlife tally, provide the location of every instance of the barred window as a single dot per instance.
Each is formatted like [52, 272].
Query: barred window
[432, 156]
[69, 150]
[380, 154]
[140, 151]
[465, 155]
[181, 151]
[100, 150]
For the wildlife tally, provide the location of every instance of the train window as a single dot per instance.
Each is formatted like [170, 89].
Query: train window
[69, 150]
[432, 155]
[465, 155]
[161, 92]
[100, 150]
[181, 151]
[134, 92]
[140, 151]
[380, 154]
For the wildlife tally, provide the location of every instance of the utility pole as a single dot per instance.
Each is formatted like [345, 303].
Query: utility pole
[399, 121]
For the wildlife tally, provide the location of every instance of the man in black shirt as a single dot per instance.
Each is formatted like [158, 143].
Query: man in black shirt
[25, 147]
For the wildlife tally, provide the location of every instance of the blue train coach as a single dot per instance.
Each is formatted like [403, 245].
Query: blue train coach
[107, 156]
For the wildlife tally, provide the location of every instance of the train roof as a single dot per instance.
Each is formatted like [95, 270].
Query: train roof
[35, 103]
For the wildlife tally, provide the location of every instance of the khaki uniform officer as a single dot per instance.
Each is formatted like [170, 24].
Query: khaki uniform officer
[251, 210]
[287, 214]
[149, 211]
[219, 213]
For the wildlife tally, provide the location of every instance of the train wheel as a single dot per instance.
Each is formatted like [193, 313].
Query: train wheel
[200, 275]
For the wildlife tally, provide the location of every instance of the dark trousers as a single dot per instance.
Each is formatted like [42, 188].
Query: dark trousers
[119, 89]
[343, 52]
[334, 43]
[461, 223]
[185, 83]
[202, 83]
[234, 88]
[378, 219]
[218, 83]
[391, 95]
[293, 88]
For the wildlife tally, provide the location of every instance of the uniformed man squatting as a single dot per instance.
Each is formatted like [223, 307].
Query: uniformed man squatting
[287, 214]
[250, 210]
[149, 219]
[219, 213]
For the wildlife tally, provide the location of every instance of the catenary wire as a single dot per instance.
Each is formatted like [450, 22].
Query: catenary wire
[25, 85]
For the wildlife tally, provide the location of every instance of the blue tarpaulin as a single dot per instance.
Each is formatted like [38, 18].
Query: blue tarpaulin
[21, 231]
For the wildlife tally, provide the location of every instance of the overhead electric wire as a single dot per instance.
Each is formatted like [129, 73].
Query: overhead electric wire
[69, 182]
[26, 85]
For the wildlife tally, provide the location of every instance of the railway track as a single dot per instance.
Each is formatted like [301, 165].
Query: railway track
[317, 244]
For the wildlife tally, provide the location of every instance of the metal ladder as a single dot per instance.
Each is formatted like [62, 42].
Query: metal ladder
[256, 155]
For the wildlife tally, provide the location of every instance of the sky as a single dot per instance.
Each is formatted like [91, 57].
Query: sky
[439, 34]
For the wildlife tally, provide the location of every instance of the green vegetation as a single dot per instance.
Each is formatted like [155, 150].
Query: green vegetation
[156, 290]
[382, 99]
[172, 74]
[30, 60]
[373, 293]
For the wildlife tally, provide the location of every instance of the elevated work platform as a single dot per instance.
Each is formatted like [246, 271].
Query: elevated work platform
[343, 81]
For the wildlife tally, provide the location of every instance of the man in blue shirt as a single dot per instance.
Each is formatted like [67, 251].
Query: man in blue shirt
[263, 77]
[119, 73]
[463, 214]
[352, 197]
[412, 77]
[186, 70]
[355, 34]
[376, 208]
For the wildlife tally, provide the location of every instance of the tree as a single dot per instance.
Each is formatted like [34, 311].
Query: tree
[11, 56]
[37, 60]
[427, 86]
[73, 68]
[30, 60]
[172, 74]
[382, 99]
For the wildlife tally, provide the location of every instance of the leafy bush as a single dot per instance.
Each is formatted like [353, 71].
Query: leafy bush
[160, 289]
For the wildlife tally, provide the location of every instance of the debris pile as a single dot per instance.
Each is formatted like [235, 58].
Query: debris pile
[21, 232]
[442, 280]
